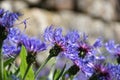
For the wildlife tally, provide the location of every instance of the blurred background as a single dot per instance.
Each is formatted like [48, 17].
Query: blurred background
[94, 17]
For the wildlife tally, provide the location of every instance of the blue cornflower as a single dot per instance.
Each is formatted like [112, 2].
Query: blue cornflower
[98, 43]
[15, 35]
[83, 48]
[10, 49]
[85, 65]
[7, 20]
[72, 37]
[114, 71]
[33, 45]
[55, 38]
[101, 70]
[80, 52]
[11, 45]
[111, 46]
[77, 45]
[114, 49]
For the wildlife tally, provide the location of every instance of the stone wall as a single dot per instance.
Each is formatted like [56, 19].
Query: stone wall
[94, 17]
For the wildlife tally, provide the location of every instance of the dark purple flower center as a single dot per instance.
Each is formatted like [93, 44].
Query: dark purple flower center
[100, 74]
[82, 51]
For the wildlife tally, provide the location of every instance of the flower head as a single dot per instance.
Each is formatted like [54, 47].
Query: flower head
[15, 35]
[33, 45]
[98, 43]
[114, 71]
[10, 49]
[114, 49]
[72, 37]
[56, 39]
[7, 20]
[54, 36]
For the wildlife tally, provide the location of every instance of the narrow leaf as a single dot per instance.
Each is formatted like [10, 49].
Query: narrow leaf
[61, 73]
[23, 65]
[58, 73]
[7, 62]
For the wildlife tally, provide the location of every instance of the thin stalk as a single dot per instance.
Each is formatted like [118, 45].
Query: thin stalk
[28, 67]
[40, 68]
[1, 62]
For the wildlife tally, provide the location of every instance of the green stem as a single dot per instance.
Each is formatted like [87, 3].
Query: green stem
[1, 62]
[28, 67]
[39, 69]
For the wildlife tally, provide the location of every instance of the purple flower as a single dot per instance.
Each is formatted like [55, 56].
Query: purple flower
[110, 46]
[15, 35]
[11, 45]
[33, 45]
[114, 49]
[114, 71]
[77, 45]
[7, 18]
[98, 43]
[10, 49]
[55, 38]
[72, 37]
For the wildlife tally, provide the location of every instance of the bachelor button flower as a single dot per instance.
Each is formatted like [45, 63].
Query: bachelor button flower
[10, 49]
[33, 45]
[7, 20]
[77, 45]
[110, 46]
[101, 69]
[98, 43]
[15, 35]
[72, 37]
[56, 39]
[54, 36]
[114, 71]
[101, 73]
[80, 52]
[114, 49]
[11, 46]
[83, 48]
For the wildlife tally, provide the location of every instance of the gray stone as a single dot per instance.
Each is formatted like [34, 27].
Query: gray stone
[33, 1]
[7, 5]
[104, 9]
[40, 19]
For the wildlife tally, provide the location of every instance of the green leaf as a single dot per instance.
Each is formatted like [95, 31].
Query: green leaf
[5, 75]
[58, 73]
[54, 74]
[61, 73]
[23, 65]
[7, 62]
